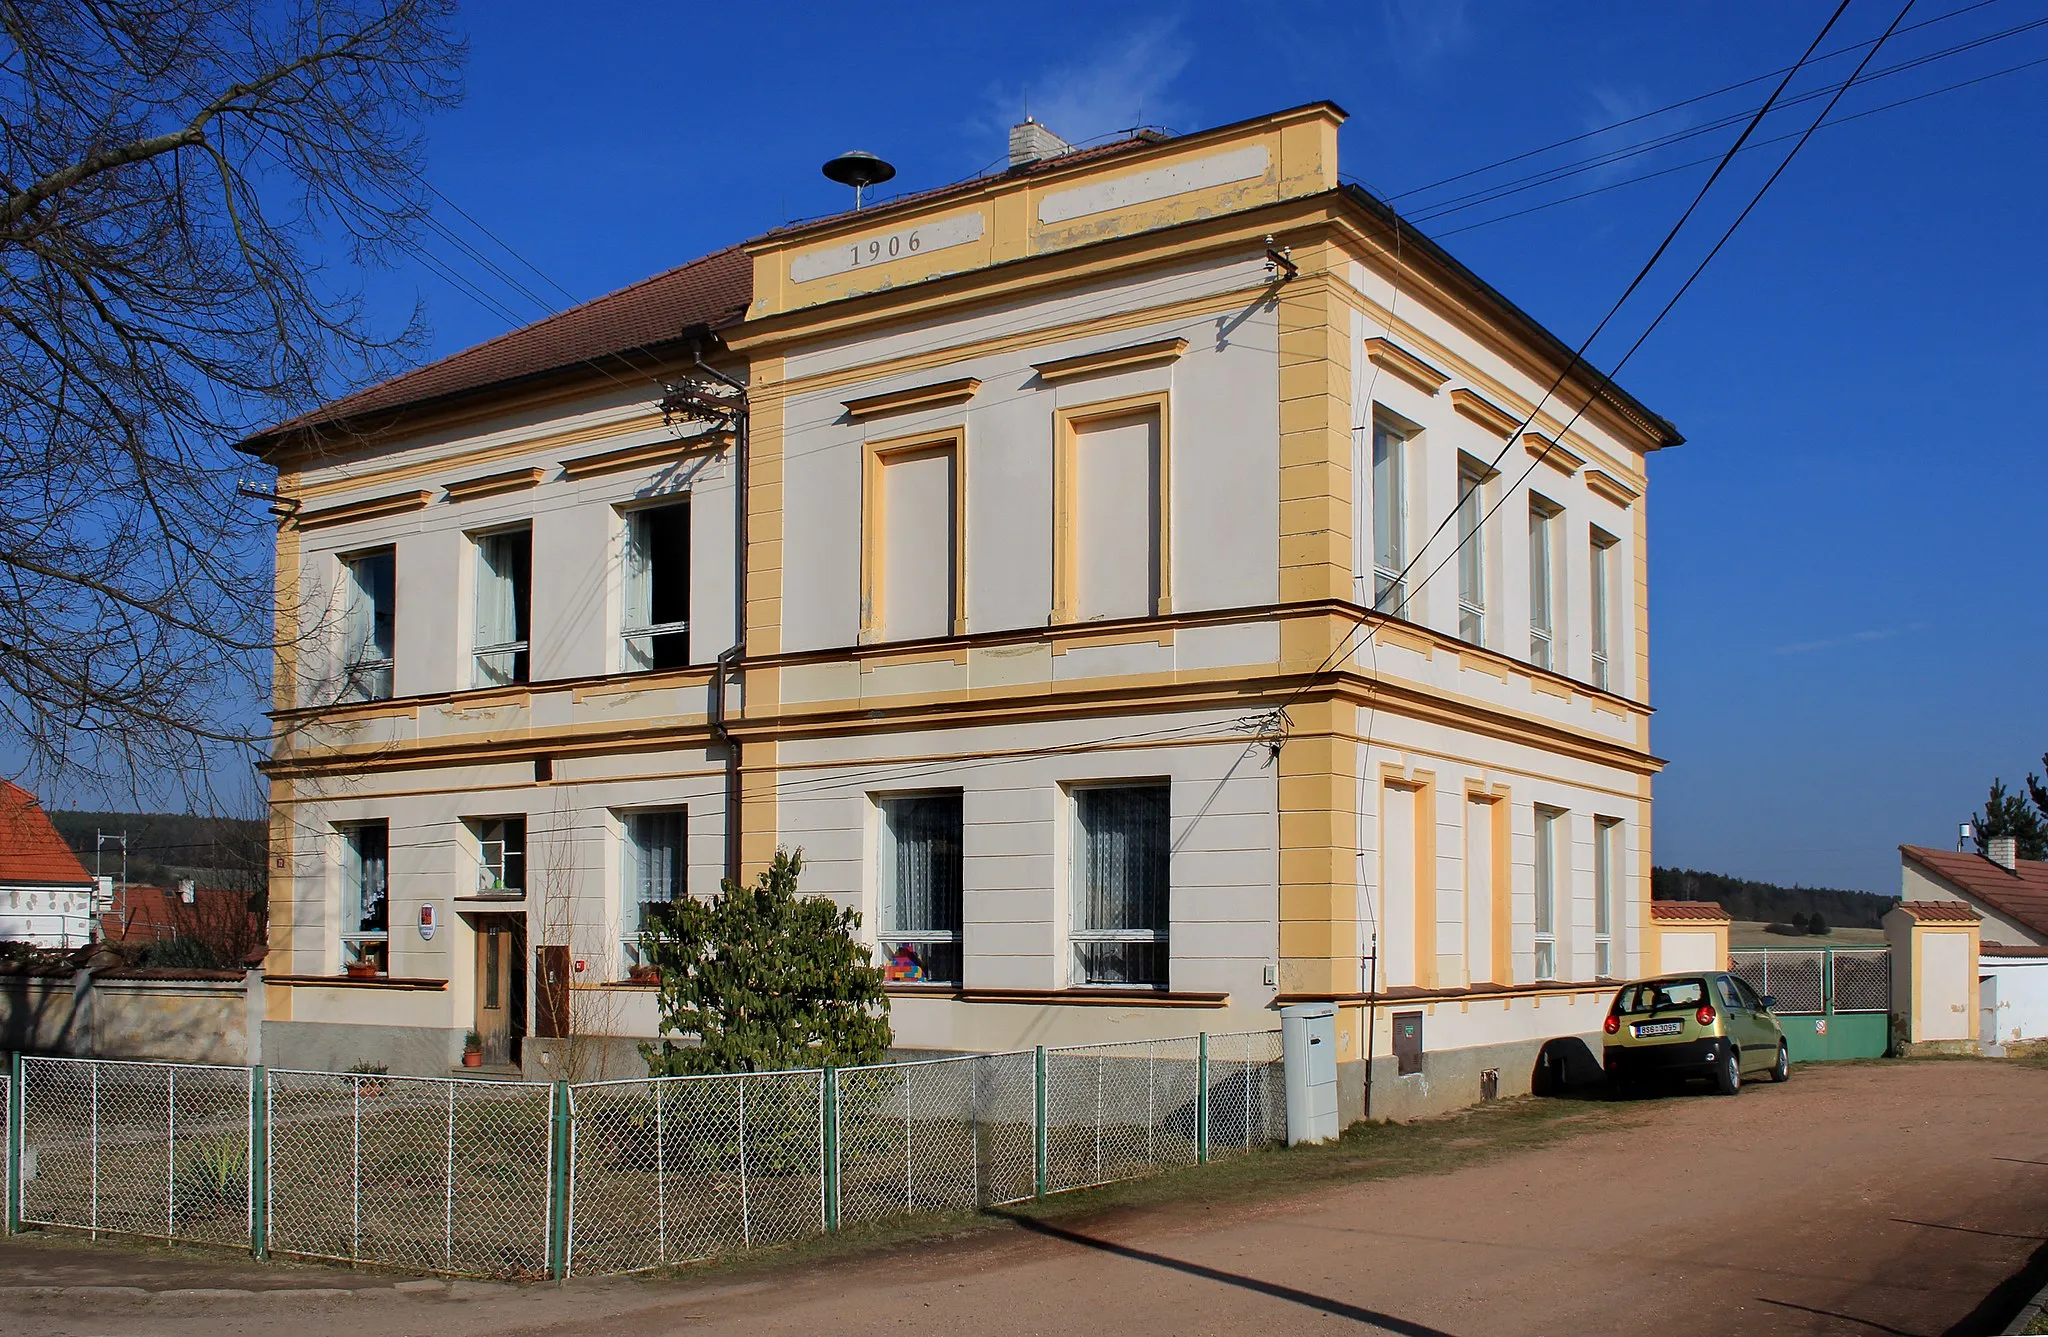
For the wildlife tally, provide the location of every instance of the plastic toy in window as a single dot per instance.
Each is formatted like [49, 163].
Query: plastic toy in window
[905, 967]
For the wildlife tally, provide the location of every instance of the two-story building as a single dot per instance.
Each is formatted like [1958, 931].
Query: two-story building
[1127, 577]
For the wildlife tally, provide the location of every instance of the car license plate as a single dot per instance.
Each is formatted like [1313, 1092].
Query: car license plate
[1644, 1030]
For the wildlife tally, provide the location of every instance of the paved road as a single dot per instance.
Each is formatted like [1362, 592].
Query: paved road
[1881, 1199]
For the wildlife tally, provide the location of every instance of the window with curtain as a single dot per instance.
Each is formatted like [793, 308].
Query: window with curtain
[1602, 610]
[654, 867]
[366, 895]
[1542, 582]
[504, 581]
[369, 626]
[919, 888]
[501, 855]
[1607, 913]
[1389, 517]
[1471, 552]
[1548, 821]
[1121, 906]
[655, 621]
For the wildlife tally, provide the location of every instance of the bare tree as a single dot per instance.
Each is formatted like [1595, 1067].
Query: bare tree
[178, 176]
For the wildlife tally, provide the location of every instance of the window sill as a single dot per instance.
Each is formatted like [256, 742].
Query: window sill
[401, 982]
[1094, 996]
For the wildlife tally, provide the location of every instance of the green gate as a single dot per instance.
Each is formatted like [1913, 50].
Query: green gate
[1834, 1002]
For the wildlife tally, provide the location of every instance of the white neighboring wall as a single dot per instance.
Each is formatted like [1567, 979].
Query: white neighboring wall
[48, 916]
[2020, 986]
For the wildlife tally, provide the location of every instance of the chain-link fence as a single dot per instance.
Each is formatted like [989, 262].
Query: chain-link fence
[433, 1173]
[522, 1179]
[1792, 976]
[1862, 980]
[157, 1149]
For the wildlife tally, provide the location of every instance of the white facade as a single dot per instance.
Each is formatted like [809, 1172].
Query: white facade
[45, 914]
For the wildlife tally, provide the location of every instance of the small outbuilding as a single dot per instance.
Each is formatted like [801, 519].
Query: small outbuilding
[45, 892]
[2010, 894]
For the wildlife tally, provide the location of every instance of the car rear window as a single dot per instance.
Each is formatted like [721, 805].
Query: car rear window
[1638, 1000]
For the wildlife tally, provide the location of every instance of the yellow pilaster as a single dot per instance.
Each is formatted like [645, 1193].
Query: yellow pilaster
[1319, 850]
[1315, 453]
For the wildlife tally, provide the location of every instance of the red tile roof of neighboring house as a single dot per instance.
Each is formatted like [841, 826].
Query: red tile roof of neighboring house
[2012, 949]
[1700, 911]
[30, 848]
[2021, 896]
[1942, 912]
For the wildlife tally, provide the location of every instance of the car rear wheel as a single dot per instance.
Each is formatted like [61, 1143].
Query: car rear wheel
[1783, 1070]
[1728, 1077]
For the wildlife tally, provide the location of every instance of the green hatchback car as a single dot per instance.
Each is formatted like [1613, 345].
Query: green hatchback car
[1711, 1025]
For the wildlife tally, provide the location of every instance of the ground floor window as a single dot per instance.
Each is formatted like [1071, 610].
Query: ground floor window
[366, 897]
[918, 886]
[654, 866]
[1120, 882]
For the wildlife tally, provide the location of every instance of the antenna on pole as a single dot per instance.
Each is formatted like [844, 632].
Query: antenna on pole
[859, 170]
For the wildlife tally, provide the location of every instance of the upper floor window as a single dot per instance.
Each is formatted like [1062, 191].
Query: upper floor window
[1471, 551]
[1548, 823]
[1113, 562]
[1121, 861]
[1602, 611]
[654, 871]
[504, 590]
[1542, 582]
[912, 545]
[1607, 884]
[369, 625]
[920, 887]
[656, 618]
[366, 895]
[501, 855]
[1389, 517]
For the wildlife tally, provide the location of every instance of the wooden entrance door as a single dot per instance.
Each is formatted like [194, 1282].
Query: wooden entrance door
[501, 986]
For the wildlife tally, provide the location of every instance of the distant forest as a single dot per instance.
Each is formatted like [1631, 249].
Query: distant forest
[1768, 902]
[163, 847]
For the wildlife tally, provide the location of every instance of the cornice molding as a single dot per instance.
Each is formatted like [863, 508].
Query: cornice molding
[1390, 356]
[1553, 453]
[369, 508]
[634, 457]
[940, 394]
[1126, 358]
[492, 485]
[1485, 412]
[1612, 488]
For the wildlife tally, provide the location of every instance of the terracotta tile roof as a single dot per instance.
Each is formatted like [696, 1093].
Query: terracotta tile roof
[1942, 912]
[30, 848]
[2012, 949]
[713, 291]
[1705, 912]
[2020, 896]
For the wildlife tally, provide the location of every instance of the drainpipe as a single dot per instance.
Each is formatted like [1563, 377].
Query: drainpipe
[731, 662]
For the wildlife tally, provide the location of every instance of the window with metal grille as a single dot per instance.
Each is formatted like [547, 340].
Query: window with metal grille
[1120, 876]
[366, 895]
[655, 619]
[919, 887]
[654, 866]
[504, 586]
[369, 625]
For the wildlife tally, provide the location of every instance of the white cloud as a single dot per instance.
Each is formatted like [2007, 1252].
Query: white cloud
[1853, 638]
[1127, 81]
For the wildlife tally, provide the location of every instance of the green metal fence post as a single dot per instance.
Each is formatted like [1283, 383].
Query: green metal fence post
[1202, 1099]
[831, 1147]
[259, 1161]
[1038, 1125]
[558, 1185]
[14, 1143]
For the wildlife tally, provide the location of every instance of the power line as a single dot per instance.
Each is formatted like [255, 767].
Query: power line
[1578, 355]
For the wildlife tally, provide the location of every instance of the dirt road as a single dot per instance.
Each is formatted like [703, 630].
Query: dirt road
[1867, 1199]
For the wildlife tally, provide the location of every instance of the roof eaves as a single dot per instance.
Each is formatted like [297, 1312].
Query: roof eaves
[1652, 422]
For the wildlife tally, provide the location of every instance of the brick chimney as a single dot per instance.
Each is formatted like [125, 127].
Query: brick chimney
[1032, 142]
[2005, 852]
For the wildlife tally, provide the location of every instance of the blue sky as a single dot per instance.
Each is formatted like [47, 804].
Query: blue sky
[1845, 555]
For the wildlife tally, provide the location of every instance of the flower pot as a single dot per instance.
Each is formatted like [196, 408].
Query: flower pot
[362, 970]
[643, 975]
[472, 1058]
